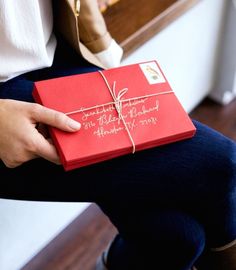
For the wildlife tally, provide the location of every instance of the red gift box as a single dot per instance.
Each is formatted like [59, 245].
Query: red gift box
[121, 110]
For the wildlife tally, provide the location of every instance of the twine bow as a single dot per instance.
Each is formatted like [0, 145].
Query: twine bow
[117, 102]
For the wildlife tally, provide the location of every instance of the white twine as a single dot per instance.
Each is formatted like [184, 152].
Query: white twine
[118, 104]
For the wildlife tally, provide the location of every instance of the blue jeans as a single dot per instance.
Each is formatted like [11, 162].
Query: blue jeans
[174, 201]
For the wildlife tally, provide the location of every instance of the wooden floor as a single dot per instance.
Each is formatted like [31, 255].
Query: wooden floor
[78, 246]
[221, 118]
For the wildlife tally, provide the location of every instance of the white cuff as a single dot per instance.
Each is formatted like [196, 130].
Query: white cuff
[111, 57]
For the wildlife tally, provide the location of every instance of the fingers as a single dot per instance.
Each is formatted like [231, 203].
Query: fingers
[47, 150]
[54, 118]
[43, 130]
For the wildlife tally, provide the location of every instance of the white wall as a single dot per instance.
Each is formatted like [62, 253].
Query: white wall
[186, 51]
[224, 90]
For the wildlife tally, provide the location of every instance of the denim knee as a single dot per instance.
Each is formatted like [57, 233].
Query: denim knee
[216, 160]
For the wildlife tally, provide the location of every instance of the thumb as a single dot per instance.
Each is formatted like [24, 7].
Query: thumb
[55, 119]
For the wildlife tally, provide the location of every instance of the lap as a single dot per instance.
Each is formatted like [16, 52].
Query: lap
[189, 171]
[192, 173]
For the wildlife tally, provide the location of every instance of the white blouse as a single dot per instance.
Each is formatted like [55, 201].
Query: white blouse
[26, 39]
[27, 42]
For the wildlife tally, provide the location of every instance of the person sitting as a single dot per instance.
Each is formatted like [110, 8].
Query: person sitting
[173, 206]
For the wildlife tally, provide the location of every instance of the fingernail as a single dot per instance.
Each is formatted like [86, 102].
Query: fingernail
[74, 124]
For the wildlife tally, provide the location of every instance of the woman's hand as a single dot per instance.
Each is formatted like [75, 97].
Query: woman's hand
[20, 140]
